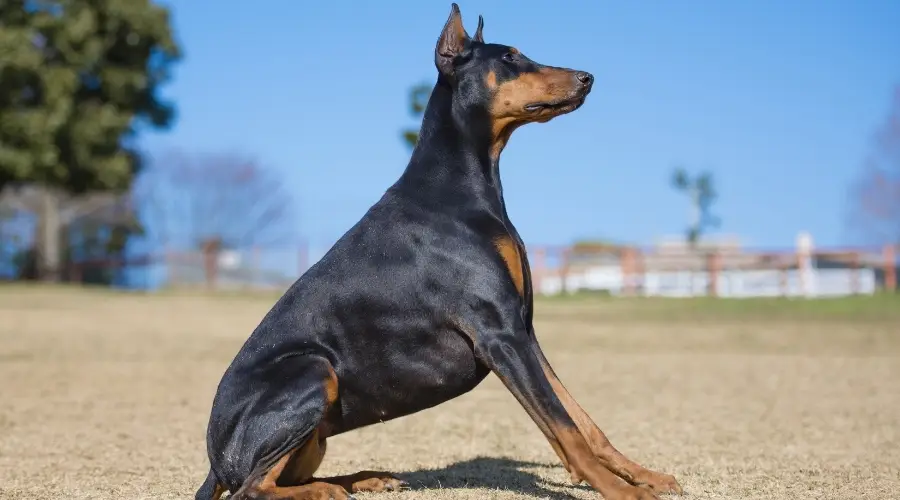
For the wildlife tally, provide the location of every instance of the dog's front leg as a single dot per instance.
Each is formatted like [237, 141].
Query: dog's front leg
[608, 455]
[512, 357]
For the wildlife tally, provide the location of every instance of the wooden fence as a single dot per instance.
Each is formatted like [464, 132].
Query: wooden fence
[620, 270]
[713, 272]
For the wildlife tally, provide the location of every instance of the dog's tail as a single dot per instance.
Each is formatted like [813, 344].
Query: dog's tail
[211, 489]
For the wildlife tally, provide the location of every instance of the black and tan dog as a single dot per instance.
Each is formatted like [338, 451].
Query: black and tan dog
[415, 305]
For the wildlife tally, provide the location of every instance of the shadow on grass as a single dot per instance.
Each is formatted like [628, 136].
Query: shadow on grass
[489, 473]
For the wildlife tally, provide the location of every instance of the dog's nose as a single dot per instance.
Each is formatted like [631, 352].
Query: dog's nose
[584, 77]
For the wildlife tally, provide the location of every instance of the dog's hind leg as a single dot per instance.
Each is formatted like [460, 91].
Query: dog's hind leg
[290, 478]
[210, 489]
[267, 432]
[605, 452]
[283, 426]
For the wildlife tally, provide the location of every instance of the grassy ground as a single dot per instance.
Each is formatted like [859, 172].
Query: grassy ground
[106, 396]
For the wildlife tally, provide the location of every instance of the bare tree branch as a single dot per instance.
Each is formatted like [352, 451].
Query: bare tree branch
[187, 201]
[875, 195]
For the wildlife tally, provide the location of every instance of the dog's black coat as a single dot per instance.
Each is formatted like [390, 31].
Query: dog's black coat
[383, 307]
[413, 306]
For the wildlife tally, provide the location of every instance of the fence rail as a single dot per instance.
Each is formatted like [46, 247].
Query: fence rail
[715, 272]
[626, 271]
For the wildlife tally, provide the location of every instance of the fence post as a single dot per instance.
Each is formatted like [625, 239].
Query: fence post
[854, 275]
[713, 265]
[890, 268]
[538, 269]
[564, 270]
[640, 271]
[75, 273]
[210, 249]
[805, 268]
[626, 262]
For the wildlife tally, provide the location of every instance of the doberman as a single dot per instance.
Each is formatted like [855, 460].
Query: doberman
[414, 305]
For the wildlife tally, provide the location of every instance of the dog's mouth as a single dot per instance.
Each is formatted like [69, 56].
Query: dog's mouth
[560, 106]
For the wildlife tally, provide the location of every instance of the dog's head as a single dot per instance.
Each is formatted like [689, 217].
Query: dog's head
[501, 80]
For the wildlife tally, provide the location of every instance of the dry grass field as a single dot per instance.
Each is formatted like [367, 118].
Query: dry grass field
[106, 396]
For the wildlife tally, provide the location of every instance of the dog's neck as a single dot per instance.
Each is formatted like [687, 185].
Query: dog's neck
[455, 157]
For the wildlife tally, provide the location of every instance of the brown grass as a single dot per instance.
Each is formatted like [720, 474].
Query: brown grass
[106, 396]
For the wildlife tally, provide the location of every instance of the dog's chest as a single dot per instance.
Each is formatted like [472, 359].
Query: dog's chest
[403, 382]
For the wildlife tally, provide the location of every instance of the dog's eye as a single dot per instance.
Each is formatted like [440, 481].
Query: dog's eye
[508, 57]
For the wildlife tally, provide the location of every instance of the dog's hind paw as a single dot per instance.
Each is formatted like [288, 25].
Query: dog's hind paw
[377, 481]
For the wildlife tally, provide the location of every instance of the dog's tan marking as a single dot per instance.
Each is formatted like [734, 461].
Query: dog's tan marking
[331, 387]
[507, 109]
[509, 251]
[491, 80]
[367, 480]
[218, 492]
[304, 462]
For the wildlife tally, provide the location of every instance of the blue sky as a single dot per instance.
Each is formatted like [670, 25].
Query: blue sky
[778, 99]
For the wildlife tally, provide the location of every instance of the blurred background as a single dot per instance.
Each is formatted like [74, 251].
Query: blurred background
[730, 148]
[168, 168]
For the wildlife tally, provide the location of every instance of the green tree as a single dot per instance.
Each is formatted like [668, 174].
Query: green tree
[78, 81]
[418, 99]
[702, 193]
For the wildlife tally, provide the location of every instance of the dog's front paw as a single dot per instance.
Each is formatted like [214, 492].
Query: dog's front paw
[635, 493]
[660, 483]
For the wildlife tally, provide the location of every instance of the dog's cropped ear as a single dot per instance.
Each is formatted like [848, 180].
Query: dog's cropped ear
[451, 43]
[478, 36]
